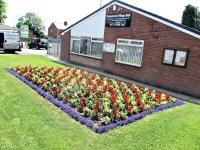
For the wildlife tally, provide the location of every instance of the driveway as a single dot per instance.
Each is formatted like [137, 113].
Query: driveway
[32, 52]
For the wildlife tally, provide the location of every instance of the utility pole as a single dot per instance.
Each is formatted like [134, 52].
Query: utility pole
[100, 3]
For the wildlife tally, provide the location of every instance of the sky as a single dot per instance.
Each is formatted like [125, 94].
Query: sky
[74, 10]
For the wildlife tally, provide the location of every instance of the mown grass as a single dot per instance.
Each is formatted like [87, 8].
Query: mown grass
[28, 121]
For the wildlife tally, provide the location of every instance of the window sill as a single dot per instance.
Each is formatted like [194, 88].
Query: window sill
[133, 65]
[86, 56]
[173, 65]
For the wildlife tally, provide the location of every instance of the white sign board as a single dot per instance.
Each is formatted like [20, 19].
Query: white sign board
[12, 38]
[109, 47]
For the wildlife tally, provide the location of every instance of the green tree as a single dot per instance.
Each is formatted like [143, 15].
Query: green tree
[34, 22]
[191, 17]
[2, 11]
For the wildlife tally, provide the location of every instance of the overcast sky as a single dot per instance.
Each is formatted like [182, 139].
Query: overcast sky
[74, 10]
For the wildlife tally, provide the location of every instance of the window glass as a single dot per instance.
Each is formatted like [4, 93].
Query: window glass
[180, 59]
[75, 46]
[96, 49]
[85, 45]
[129, 54]
[168, 56]
[89, 46]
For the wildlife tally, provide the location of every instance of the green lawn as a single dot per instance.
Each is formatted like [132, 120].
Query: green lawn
[28, 121]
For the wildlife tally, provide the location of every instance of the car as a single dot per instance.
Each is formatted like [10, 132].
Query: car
[38, 43]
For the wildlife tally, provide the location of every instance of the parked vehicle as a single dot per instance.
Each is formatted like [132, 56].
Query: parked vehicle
[38, 43]
[9, 42]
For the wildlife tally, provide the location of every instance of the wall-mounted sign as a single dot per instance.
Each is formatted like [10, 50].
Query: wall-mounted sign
[109, 47]
[24, 29]
[119, 20]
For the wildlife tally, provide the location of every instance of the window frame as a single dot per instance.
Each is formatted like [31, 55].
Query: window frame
[129, 44]
[91, 40]
[174, 57]
[71, 43]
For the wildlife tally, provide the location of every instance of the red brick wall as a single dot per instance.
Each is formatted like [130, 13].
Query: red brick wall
[53, 32]
[156, 37]
[65, 46]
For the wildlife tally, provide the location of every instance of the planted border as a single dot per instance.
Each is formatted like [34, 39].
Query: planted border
[83, 120]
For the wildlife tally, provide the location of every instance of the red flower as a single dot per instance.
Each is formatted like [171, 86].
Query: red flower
[67, 96]
[109, 80]
[96, 111]
[130, 109]
[95, 88]
[100, 81]
[90, 82]
[141, 88]
[106, 88]
[112, 90]
[78, 82]
[168, 97]
[126, 97]
[135, 90]
[82, 104]
[99, 95]
[137, 96]
[43, 82]
[115, 114]
[113, 99]
[98, 103]
[159, 96]
[141, 107]
[56, 92]
[149, 93]
[119, 83]
[115, 108]
[128, 104]
[82, 71]
[139, 102]
[94, 77]
[83, 98]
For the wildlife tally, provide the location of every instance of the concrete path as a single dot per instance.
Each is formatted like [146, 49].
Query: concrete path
[32, 52]
[179, 95]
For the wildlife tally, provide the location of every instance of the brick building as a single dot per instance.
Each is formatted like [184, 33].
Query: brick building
[128, 41]
[54, 33]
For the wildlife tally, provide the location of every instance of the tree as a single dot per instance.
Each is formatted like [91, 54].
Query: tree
[191, 17]
[2, 11]
[34, 22]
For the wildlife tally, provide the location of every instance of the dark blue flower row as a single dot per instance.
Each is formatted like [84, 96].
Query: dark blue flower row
[74, 114]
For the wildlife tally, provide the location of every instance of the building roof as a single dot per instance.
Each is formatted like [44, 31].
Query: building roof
[153, 16]
[5, 27]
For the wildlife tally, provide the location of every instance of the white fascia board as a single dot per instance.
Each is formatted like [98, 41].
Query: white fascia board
[160, 20]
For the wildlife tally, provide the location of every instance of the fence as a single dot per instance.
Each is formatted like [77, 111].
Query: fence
[54, 47]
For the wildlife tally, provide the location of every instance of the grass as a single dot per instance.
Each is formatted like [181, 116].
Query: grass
[28, 121]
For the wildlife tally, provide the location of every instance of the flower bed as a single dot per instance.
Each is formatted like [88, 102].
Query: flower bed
[99, 102]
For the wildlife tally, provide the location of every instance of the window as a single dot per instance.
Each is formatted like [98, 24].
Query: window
[97, 47]
[129, 52]
[75, 42]
[175, 57]
[87, 46]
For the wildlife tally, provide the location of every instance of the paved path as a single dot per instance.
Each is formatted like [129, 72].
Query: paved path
[179, 95]
[32, 52]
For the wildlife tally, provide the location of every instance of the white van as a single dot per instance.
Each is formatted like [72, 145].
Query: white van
[9, 42]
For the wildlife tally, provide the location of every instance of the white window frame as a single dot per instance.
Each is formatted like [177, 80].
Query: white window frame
[128, 43]
[92, 40]
[71, 43]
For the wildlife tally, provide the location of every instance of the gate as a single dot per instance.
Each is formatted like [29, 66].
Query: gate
[54, 47]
